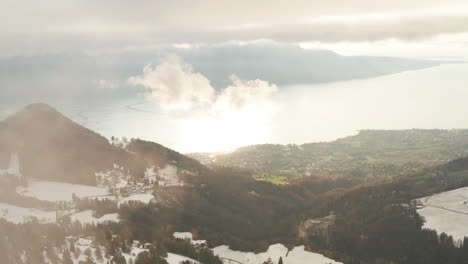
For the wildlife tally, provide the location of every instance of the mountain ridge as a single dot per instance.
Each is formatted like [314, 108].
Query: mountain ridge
[53, 147]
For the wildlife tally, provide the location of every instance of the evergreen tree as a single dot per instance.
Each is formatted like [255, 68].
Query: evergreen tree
[143, 257]
[280, 260]
[67, 257]
[118, 259]
[98, 253]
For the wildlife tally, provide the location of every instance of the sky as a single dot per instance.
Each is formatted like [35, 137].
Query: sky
[31, 26]
[217, 64]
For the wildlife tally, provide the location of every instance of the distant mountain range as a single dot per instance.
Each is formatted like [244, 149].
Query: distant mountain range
[98, 78]
[287, 64]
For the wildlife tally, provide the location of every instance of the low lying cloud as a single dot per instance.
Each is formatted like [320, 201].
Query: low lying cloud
[242, 95]
[174, 86]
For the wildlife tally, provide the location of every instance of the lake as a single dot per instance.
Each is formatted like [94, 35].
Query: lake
[429, 98]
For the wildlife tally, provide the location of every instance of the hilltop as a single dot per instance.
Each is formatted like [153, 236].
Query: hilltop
[50, 146]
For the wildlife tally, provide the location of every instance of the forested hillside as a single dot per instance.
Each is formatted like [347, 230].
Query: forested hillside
[369, 154]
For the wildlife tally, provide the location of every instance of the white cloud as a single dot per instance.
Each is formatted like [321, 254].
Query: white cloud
[243, 95]
[176, 87]
[239, 114]
[444, 47]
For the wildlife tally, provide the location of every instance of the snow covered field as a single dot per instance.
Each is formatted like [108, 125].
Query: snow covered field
[296, 256]
[17, 214]
[58, 191]
[447, 212]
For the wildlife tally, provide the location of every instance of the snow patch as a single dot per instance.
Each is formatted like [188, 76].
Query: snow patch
[141, 197]
[169, 176]
[183, 235]
[188, 236]
[86, 217]
[13, 167]
[115, 178]
[119, 142]
[150, 174]
[176, 259]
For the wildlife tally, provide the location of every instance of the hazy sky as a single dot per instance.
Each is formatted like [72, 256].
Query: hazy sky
[222, 65]
[30, 26]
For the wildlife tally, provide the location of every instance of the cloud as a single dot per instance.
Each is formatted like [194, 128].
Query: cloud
[54, 25]
[174, 86]
[412, 26]
[239, 114]
[244, 94]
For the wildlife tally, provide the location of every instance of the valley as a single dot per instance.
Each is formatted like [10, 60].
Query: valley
[369, 155]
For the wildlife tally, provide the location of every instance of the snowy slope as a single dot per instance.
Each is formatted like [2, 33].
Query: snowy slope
[447, 212]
